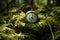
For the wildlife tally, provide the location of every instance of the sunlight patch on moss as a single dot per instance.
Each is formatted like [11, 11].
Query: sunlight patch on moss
[19, 24]
[41, 16]
[13, 10]
[42, 23]
[19, 17]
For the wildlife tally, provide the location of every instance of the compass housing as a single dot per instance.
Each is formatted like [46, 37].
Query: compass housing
[31, 16]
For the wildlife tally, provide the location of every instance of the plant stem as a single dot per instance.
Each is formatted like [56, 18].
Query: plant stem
[50, 28]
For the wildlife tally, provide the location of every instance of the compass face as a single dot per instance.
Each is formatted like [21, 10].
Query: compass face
[31, 17]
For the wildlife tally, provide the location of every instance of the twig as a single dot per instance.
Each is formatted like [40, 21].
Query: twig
[50, 28]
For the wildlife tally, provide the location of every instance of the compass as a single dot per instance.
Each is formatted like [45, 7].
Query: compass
[31, 16]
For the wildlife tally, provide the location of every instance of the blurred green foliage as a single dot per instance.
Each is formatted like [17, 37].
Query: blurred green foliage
[13, 25]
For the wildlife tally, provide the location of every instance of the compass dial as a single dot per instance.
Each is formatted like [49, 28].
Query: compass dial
[31, 17]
